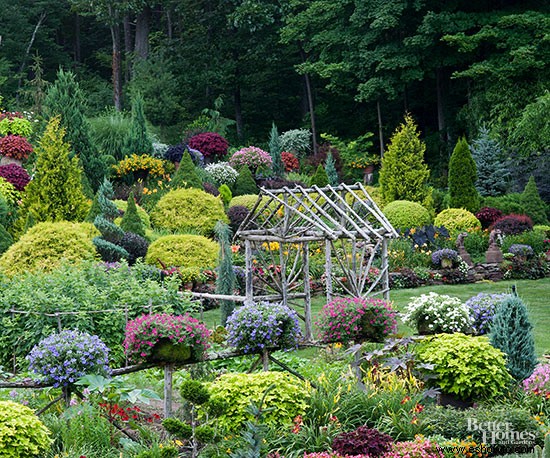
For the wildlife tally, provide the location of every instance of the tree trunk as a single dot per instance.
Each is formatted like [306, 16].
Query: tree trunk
[27, 52]
[238, 112]
[309, 93]
[116, 67]
[380, 132]
[127, 47]
[169, 26]
[77, 53]
[440, 111]
[142, 33]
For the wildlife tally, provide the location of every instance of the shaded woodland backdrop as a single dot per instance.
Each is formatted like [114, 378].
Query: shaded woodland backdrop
[341, 67]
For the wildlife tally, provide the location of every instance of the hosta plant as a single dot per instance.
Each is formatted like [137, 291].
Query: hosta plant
[358, 319]
[255, 327]
[435, 313]
[166, 337]
[61, 359]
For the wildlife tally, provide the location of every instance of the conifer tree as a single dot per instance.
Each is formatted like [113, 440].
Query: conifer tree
[108, 244]
[66, 99]
[245, 183]
[320, 178]
[533, 205]
[6, 239]
[186, 176]
[55, 193]
[131, 222]
[492, 172]
[404, 174]
[275, 152]
[138, 141]
[330, 168]
[512, 332]
[94, 211]
[226, 281]
[462, 178]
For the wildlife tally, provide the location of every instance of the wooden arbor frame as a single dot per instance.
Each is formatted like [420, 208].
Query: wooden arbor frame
[284, 223]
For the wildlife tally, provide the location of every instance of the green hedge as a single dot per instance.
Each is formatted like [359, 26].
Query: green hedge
[403, 214]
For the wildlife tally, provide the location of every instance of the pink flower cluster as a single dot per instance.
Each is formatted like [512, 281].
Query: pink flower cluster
[538, 383]
[419, 448]
[357, 318]
[253, 157]
[145, 331]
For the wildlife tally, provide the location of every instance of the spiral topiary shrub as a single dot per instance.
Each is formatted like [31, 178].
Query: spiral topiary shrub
[457, 220]
[47, 245]
[403, 214]
[135, 245]
[184, 209]
[210, 144]
[16, 175]
[22, 434]
[192, 253]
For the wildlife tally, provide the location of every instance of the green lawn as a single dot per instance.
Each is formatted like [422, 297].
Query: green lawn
[535, 293]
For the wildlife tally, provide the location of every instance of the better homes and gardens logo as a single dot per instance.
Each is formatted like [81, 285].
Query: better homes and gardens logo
[501, 435]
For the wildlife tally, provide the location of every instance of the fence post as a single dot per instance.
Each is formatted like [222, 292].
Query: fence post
[168, 378]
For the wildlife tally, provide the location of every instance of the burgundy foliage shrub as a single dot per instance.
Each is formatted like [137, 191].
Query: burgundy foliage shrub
[488, 216]
[16, 175]
[210, 144]
[280, 183]
[290, 161]
[237, 215]
[210, 189]
[513, 224]
[362, 441]
[15, 147]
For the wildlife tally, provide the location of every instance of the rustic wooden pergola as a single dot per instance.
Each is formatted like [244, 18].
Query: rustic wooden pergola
[343, 221]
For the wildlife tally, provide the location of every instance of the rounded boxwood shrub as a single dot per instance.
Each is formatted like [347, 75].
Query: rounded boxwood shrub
[184, 209]
[246, 200]
[468, 367]
[47, 245]
[403, 214]
[192, 253]
[22, 434]
[287, 396]
[457, 220]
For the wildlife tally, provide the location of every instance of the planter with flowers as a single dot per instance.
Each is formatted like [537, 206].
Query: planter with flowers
[356, 319]
[61, 359]
[166, 338]
[254, 328]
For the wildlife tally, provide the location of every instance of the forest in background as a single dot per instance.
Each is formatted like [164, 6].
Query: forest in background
[342, 67]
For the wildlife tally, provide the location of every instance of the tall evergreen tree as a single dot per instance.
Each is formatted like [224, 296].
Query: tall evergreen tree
[462, 178]
[131, 222]
[512, 332]
[245, 183]
[66, 99]
[226, 281]
[492, 173]
[404, 174]
[186, 176]
[330, 168]
[533, 205]
[275, 151]
[138, 140]
[55, 193]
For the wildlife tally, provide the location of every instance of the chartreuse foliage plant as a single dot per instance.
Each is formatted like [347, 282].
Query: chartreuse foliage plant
[131, 221]
[534, 206]
[457, 220]
[122, 206]
[191, 253]
[404, 174]
[320, 178]
[246, 200]
[404, 214]
[186, 175]
[46, 246]
[8, 191]
[188, 209]
[288, 398]
[512, 332]
[468, 367]
[22, 434]
[462, 178]
[55, 193]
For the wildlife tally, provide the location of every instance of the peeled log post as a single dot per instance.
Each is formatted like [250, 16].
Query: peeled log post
[168, 373]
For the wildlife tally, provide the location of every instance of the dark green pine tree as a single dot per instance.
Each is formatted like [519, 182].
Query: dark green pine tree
[245, 183]
[320, 178]
[226, 281]
[462, 178]
[492, 172]
[138, 140]
[512, 332]
[5, 238]
[533, 205]
[131, 222]
[94, 210]
[186, 176]
[330, 168]
[66, 99]
[108, 244]
[275, 152]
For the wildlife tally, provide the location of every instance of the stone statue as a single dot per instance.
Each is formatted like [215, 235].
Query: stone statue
[462, 250]
[493, 254]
